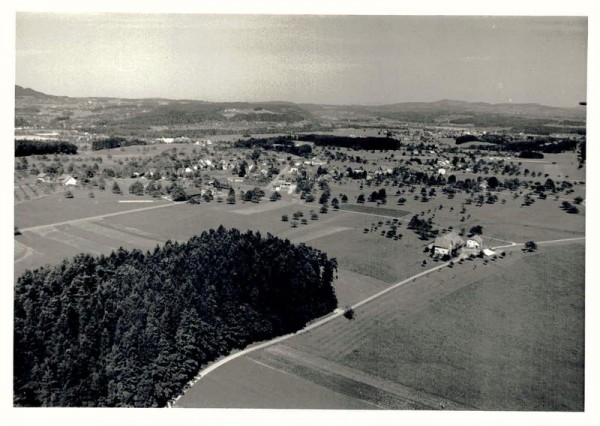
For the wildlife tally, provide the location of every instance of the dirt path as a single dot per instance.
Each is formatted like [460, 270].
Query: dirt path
[335, 314]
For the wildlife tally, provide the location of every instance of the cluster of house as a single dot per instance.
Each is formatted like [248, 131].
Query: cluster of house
[453, 245]
[65, 180]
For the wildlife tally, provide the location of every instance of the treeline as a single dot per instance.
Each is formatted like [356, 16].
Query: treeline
[280, 143]
[368, 142]
[24, 148]
[542, 144]
[132, 328]
[115, 142]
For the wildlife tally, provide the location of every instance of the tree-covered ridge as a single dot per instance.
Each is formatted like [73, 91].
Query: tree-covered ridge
[24, 148]
[131, 328]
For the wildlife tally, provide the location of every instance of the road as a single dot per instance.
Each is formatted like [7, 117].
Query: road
[337, 313]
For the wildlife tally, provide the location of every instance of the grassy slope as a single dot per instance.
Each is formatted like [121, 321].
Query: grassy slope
[510, 340]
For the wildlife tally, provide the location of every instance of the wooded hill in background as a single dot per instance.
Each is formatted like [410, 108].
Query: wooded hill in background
[132, 328]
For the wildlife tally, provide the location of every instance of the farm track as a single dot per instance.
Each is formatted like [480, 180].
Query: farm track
[337, 313]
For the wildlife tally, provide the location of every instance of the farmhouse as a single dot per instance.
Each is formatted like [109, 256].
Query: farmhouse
[488, 252]
[67, 180]
[475, 242]
[449, 244]
[43, 177]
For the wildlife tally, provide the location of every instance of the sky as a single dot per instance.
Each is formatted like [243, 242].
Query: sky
[304, 58]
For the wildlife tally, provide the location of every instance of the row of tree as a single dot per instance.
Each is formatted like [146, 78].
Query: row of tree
[131, 328]
[368, 142]
[25, 148]
[279, 143]
[115, 142]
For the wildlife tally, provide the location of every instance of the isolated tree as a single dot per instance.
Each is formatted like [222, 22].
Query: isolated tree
[285, 218]
[177, 193]
[476, 230]
[335, 203]
[116, 189]
[349, 312]
[530, 246]
[231, 196]
[136, 188]
[360, 199]
[493, 182]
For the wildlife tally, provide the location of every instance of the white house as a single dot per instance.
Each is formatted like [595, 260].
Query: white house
[67, 180]
[489, 252]
[189, 170]
[442, 172]
[475, 242]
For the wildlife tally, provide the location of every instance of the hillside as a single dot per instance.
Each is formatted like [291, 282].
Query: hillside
[196, 118]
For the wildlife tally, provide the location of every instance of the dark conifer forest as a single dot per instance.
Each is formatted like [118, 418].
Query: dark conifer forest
[24, 148]
[132, 328]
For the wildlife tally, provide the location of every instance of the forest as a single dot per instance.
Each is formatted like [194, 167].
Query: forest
[115, 142]
[132, 328]
[369, 142]
[24, 148]
[279, 143]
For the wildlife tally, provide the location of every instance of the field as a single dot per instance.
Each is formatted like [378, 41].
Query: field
[506, 334]
[503, 336]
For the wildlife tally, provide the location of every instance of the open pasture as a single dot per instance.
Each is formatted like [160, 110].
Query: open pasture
[55, 208]
[503, 336]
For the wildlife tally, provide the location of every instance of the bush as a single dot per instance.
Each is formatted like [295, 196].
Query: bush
[349, 313]
[136, 188]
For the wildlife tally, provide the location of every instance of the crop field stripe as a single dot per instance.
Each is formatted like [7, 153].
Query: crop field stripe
[395, 391]
[85, 219]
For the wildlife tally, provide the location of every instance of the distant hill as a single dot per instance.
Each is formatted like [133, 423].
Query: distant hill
[130, 115]
[26, 92]
[448, 106]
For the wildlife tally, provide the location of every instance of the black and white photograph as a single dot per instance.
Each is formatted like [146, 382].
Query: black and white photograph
[347, 212]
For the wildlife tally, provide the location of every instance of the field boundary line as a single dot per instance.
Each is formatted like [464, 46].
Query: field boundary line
[102, 216]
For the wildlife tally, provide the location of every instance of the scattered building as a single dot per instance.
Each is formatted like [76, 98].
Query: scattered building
[43, 177]
[67, 180]
[475, 242]
[488, 252]
[449, 244]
